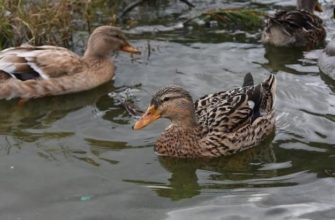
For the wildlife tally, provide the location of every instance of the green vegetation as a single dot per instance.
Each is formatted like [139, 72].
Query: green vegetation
[55, 22]
[51, 21]
[231, 19]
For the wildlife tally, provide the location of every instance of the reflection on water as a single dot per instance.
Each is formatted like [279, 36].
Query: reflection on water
[328, 81]
[76, 156]
[280, 58]
[42, 113]
[294, 203]
[220, 173]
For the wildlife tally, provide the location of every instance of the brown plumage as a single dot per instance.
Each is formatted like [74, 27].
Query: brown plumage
[296, 28]
[35, 71]
[216, 125]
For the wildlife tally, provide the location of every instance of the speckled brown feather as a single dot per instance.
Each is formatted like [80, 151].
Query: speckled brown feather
[305, 27]
[226, 123]
[297, 28]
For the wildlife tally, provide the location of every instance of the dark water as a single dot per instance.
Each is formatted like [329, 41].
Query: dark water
[76, 157]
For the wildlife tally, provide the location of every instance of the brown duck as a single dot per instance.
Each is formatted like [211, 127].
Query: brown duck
[35, 71]
[215, 125]
[295, 28]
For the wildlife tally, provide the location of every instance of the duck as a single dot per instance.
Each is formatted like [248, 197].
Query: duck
[215, 125]
[299, 28]
[30, 71]
[326, 61]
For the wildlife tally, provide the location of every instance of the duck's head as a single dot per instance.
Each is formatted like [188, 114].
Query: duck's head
[309, 5]
[173, 103]
[106, 39]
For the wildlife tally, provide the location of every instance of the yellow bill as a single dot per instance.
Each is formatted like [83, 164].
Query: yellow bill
[148, 117]
[130, 49]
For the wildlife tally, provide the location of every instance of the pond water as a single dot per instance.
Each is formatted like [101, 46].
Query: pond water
[76, 157]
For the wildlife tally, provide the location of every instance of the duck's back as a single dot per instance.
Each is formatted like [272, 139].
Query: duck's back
[298, 28]
[231, 109]
[38, 62]
[236, 119]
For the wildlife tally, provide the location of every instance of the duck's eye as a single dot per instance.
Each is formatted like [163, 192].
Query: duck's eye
[166, 99]
[115, 35]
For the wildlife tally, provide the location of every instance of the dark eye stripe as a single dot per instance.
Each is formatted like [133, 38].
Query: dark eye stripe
[171, 98]
[157, 102]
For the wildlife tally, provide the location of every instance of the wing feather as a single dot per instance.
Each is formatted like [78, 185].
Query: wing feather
[230, 110]
[42, 62]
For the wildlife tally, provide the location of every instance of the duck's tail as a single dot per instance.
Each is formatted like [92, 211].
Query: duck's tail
[269, 86]
[248, 80]
[261, 96]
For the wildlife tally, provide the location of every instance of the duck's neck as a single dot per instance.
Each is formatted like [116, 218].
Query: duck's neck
[184, 117]
[93, 54]
[96, 49]
[185, 122]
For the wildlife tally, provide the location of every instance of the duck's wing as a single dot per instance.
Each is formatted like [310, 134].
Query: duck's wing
[225, 111]
[212, 100]
[40, 62]
[229, 110]
[291, 21]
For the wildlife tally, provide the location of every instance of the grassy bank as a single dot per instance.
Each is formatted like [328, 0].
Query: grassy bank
[51, 21]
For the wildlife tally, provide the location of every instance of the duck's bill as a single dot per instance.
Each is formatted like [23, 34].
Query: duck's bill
[150, 115]
[130, 49]
[318, 7]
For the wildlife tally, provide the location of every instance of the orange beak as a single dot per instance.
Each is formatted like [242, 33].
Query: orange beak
[130, 49]
[318, 7]
[148, 117]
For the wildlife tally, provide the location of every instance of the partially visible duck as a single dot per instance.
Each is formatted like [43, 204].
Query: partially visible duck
[215, 125]
[327, 60]
[296, 28]
[35, 71]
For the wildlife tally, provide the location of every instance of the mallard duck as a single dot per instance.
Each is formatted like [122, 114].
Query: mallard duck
[35, 71]
[215, 125]
[296, 28]
[327, 60]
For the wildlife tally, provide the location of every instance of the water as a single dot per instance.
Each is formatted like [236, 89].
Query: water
[76, 157]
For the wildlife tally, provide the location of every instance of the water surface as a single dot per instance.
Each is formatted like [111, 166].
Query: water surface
[76, 157]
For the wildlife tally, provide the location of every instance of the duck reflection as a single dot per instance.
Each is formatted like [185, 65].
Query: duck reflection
[23, 126]
[328, 81]
[187, 179]
[280, 58]
[42, 113]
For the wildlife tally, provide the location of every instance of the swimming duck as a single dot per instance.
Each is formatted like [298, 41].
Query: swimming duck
[35, 71]
[326, 61]
[215, 125]
[296, 28]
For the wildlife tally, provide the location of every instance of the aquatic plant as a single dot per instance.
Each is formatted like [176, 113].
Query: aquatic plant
[232, 19]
